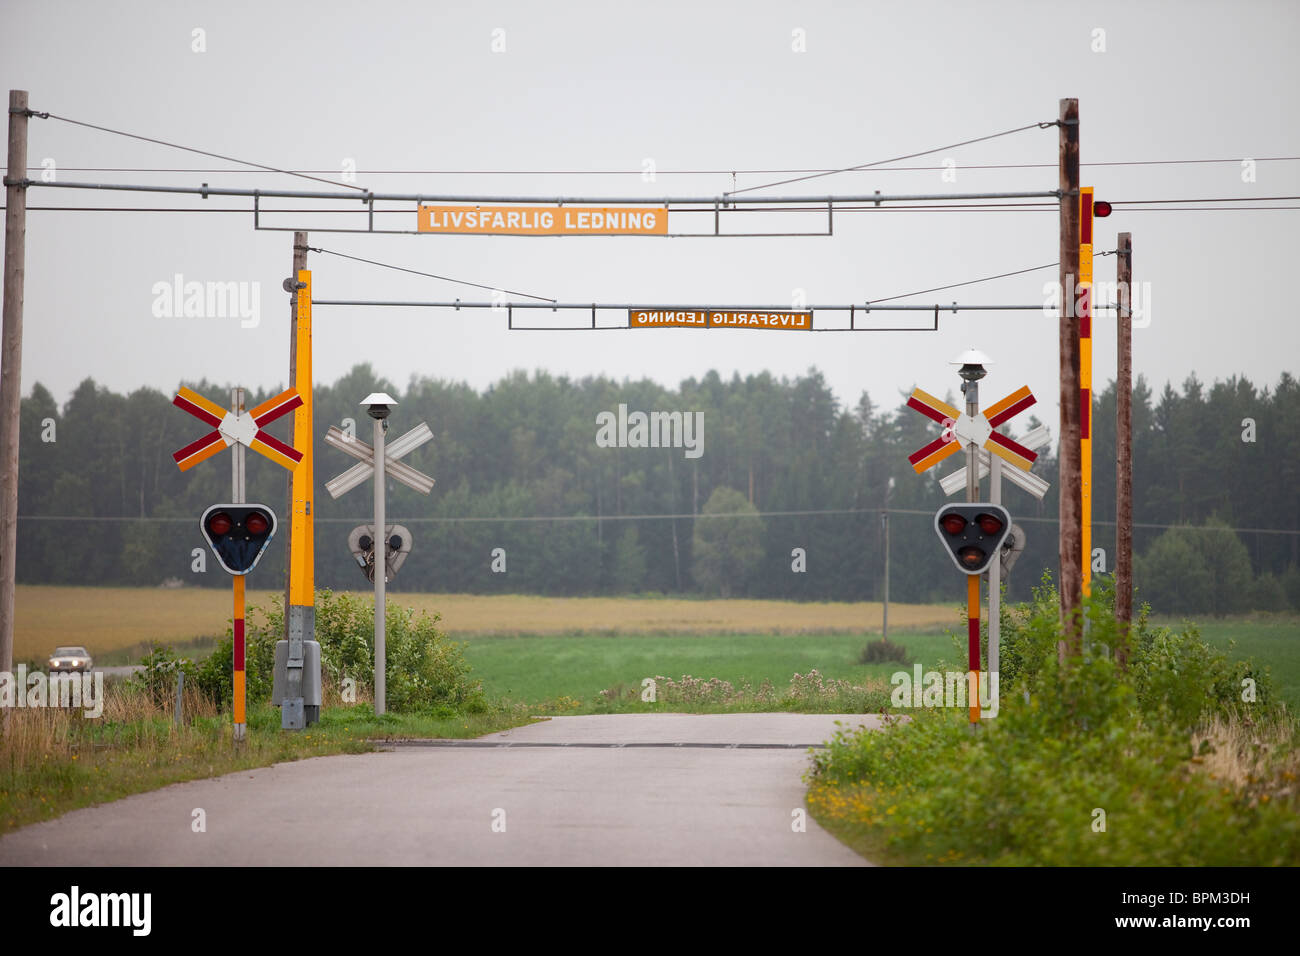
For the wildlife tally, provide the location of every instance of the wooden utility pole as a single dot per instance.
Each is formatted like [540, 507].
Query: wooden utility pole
[11, 361]
[1124, 447]
[299, 263]
[1071, 507]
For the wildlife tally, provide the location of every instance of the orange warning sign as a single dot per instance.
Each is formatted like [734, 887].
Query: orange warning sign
[545, 220]
[650, 318]
[712, 318]
[797, 321]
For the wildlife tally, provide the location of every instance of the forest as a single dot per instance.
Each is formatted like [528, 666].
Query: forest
[782, 498]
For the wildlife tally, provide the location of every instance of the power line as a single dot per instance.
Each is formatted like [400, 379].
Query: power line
[1128, 205]
[896, 159]
[804, 513]
[387, 265]
[956, 285]
[191, 149]
[659, 172]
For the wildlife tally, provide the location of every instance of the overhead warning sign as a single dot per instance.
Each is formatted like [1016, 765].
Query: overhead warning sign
[712, 318]
[545, 220]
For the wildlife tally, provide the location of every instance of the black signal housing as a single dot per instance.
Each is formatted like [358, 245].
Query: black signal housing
[972, 533]
[238, 534]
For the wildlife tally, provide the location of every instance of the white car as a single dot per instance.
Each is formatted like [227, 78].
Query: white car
[70, 659]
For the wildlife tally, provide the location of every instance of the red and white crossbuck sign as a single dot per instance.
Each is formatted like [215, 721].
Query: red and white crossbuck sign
[230, 428]
[960, 429]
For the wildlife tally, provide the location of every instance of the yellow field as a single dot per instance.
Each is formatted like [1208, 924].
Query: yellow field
[111, 619]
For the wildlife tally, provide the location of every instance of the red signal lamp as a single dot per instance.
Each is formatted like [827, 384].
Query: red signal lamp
[953, 523]
[238, 534]
[1101, 209]
[220, 523]
[972, 533]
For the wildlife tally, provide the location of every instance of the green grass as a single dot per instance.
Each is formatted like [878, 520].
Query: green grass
[533, 669]
[1159, 764]
[101, 761]
[1271, 639]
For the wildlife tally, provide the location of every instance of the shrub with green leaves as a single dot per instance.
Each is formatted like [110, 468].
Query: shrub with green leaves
[425, 670]
[1087, 763]
[877, 652]
[157, 675]
[1036, 785]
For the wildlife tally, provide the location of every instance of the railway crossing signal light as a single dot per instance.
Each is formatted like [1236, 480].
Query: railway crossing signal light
[972, 532]
[361, 542]
[238, 534]
[1101, 209]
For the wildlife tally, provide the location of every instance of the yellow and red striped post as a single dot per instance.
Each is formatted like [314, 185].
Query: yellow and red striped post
[301, 578]
[973, 640]
[240, 682]
[1085, 380]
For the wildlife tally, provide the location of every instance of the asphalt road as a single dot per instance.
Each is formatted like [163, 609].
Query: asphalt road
[628, 789]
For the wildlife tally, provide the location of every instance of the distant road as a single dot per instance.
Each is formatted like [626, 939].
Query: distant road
[124, 670]
[624, 789]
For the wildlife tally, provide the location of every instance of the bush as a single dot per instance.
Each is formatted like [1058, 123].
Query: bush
[1175, 675]
[1268, 593]
[1180, 678]
[157, 676]
[1291, 585]
[877, 652]
[1095, 768]
[425, 670]
[215, 675]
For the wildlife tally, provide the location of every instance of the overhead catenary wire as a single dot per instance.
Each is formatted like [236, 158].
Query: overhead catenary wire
[369, 197]
[188, 149]
[661, 172]
[991, 208]
[389, 265]
[896, 159]
[498, 519]
[957, 285]
[870, 303]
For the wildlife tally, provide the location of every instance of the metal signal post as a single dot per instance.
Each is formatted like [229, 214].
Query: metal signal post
[379, 461]
[238, 429]
[300, 645]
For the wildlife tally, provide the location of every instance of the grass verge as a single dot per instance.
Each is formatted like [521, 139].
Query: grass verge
[53, 761]
[1183, 757]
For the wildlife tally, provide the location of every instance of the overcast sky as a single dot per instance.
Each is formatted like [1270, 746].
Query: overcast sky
[690, 86]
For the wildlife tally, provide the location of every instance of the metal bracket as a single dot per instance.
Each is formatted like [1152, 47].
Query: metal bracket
[291, 715]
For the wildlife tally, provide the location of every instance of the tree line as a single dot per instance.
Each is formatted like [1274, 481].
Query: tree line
[529, 500]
